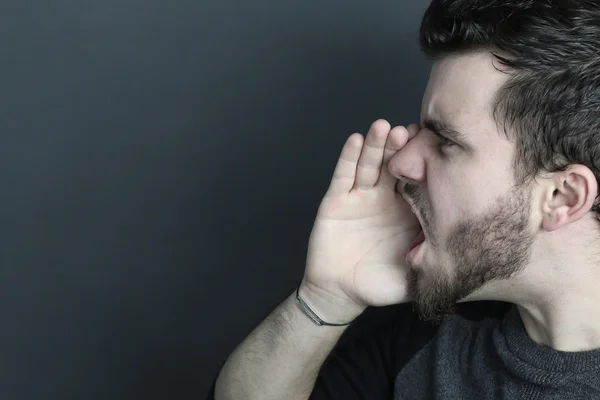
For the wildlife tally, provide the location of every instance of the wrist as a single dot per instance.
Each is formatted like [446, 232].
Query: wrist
[332, 308]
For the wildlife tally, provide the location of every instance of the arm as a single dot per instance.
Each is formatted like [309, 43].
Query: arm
[369, 355]
[281, 358]
[352, 262]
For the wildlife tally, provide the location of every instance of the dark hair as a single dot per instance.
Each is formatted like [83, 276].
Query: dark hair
[550, 106]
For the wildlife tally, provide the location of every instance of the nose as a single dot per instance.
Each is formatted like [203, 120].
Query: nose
[408, 164]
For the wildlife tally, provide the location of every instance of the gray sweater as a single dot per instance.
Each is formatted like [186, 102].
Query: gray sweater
[496, 359]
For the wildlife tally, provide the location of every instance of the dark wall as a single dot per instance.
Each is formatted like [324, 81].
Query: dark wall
[161, 164]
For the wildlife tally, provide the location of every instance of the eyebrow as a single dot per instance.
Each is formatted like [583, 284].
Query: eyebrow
[442, 128]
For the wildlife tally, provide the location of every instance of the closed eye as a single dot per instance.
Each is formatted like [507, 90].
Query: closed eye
[444, 142]
[438, 129]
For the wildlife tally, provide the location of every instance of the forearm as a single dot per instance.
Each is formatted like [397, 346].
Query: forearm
[281, 358]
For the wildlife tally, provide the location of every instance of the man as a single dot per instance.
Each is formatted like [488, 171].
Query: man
[501, 175]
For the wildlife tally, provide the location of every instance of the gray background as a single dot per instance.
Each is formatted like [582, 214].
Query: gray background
[161, 164]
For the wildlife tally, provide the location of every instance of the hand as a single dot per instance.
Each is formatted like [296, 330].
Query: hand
[358, 244]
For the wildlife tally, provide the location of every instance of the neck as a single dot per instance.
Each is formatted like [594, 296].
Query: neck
[560, 306]
[566, 327]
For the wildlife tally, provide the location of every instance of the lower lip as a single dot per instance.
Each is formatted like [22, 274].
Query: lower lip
[410, 257]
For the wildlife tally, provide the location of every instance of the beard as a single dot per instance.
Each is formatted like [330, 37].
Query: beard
[496, 245]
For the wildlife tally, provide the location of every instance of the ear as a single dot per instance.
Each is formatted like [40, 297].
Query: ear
[569, 196]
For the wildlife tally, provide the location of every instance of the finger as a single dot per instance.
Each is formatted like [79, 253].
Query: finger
[413, 129]
[397, 139]
[371, 159]
[344, 174]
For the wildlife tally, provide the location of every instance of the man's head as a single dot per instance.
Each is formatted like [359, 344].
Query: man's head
[508, 159]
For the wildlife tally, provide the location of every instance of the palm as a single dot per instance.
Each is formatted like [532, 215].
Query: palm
[361, 235]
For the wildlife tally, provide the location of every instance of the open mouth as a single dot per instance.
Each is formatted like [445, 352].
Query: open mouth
[421, 236]
[414, 248]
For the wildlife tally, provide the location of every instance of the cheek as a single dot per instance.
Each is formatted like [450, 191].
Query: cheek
[461, 190]
[452, 200]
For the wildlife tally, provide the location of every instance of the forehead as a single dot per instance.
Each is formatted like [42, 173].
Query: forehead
[461, 92]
